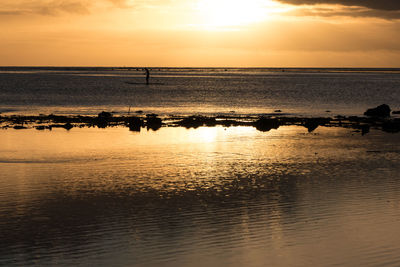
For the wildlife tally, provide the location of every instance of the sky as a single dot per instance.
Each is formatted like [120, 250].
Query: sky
[200, 33]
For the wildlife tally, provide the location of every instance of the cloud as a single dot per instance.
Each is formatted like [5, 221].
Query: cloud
[10, 12]
[344, 11]
[54, 7]
[386, 9]
[120, 3]
[387, 5]
[51, 7]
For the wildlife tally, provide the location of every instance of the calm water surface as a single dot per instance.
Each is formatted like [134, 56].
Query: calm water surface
[202, 91]
[200, 197]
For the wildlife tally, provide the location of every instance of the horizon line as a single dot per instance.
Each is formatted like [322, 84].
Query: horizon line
[191, 67]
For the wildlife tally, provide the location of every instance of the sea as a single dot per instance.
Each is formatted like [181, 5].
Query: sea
[210, 196]
[188, 91]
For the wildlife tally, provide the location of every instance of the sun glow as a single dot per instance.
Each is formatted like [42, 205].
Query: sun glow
[225, 13]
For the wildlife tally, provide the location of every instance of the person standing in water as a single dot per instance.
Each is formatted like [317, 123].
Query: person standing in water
[147, 75]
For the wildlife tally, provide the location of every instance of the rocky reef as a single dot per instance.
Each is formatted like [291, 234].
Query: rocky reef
[376, 118]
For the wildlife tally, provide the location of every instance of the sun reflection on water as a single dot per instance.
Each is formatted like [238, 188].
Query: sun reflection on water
[214, 159]
[193, 197]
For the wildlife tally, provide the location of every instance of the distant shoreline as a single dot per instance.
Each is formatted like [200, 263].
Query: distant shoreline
[133, 68]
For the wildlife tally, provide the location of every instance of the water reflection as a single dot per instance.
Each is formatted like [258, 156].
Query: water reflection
[210, 196]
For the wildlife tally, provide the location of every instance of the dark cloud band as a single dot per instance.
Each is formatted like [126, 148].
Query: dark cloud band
[387, 5]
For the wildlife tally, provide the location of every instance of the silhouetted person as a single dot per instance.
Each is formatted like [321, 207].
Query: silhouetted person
[147, 75]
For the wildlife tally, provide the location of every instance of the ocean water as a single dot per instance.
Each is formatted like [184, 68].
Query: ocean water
[296, 92]
[199, 197]
[211, 196]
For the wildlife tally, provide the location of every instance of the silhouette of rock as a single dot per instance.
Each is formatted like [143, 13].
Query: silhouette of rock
[151, 115]
[135, 124]
[68, 126]
[105, 114]
[364, 129]
[41, 127]
[278, 111]
[102, 119]
[266, 124]
[153, 122]
[58, 119]
[196, 121]
[380, 111]
[19, 127]
[392, 126]
[313, 123]
[396, 112]
[101, 123]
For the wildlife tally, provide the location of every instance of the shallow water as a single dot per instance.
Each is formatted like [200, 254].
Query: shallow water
[298, 92]
[199, 197]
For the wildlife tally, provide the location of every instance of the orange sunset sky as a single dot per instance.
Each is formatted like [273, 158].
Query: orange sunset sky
[200, 33]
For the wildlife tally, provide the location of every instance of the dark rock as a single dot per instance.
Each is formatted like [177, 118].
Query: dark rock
[105, 114]
[196, 121]
[57, 119]
[380, 111]
[354, 119]
[103, 119]
[227, 123]
[266, 124]
[313, 123]
[364, 129]
[135, 124]
[68, 126]
[19, 127]
[278, 111]
[191, 122]
[210, 121]
[396, 112]
[139, 111]
[40, 127]
[153, 122]
[392, 126]
[101, 123]
[151, 115]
